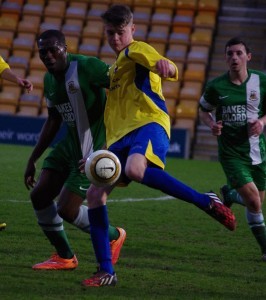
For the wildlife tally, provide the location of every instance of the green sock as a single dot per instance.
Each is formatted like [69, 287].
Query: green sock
[52, 226]
[113, 233]
[60, 241]
[260, 234]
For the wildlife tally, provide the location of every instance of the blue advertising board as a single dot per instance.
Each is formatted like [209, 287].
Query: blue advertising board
[23, 130]
[179, 143]
[26, 130]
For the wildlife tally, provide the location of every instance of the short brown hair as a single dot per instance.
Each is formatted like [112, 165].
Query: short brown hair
[118, 15]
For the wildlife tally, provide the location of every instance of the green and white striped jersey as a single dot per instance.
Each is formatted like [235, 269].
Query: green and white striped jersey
[80, 99]
[236, 105]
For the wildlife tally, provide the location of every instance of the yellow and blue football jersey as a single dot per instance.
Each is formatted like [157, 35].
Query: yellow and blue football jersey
[135, 96]
[3, 65]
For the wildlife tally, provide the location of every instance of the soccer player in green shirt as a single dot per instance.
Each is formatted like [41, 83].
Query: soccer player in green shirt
[74, 88]
[238, 98]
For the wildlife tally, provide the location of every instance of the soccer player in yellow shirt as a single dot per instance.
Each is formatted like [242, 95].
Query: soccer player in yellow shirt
[7, 74]
[138, 132]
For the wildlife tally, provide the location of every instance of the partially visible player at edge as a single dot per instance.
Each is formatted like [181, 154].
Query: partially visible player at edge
[74, 91]
[7, 74]
[138, 131]
[238, 98]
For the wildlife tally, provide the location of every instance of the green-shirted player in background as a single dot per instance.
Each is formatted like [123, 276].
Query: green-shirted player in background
[74, 91]
[239, 98]
[7, 74]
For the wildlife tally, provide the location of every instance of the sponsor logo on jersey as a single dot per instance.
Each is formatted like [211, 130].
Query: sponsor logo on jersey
[71, 87]
[253, 96]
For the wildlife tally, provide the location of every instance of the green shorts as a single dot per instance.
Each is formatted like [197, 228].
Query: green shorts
[239, 173]
[64, 159]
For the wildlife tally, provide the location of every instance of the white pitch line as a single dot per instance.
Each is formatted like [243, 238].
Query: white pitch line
[162, 198]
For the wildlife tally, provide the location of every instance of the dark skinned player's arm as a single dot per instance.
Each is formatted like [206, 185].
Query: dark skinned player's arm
[49, 130]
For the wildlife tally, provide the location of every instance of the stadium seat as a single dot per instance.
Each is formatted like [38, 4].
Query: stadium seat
[14, 89]
[160, 47]
[180, 38]
[107, 59]
[95, 11]
[22, 53]
[29, 105]
[7, 108]
[21, 72]
[208, 5]
[28, 111]
[162, 16]
[141, 32]
[72, 43]
[55, 8]
[187, 109]
[171, 108]
[32, 9]
[18, 62]
[146, 3]
[6, 39]
[76, 12]
[29, 24]
[4, 53]
[43, 109]
[177, 53]
[171, 89]
[106, 50]
[90, 46]
[50, 23]
[158, 33]
[205, 19]
[78, 1]
[202, 37]
[13, 7]
[72, 27]
[36, 77]
[35, 63]
[88, 49]
[126, 2]
[8, 102]
[40, 2]
[24, 41]
[198, 54]
[142, 15]
[107, 2]
[9, 22]
[187, 4]
[171, 4]
[191, 91]
[93, 29]
[180, 66]
[195, 72]
[183, 18]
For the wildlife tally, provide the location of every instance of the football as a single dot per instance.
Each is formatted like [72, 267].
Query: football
[102, 168]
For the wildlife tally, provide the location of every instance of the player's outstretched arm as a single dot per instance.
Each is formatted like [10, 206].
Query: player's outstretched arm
[9, 75]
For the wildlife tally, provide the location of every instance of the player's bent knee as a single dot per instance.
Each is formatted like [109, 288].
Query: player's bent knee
[134, 175]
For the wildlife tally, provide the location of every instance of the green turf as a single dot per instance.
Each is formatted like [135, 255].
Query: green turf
[172, 251]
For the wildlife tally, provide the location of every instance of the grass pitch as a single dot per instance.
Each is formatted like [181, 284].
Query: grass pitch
[172, 251]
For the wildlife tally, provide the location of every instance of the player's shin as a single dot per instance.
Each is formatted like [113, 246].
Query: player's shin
[99, 224]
